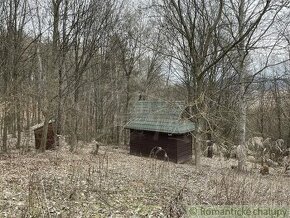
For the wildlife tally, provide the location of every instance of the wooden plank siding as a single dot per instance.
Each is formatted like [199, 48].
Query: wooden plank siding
[184, 148]
[50, 136]
[177, 146]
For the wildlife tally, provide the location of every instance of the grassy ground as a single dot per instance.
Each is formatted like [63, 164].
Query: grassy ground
[114, 183]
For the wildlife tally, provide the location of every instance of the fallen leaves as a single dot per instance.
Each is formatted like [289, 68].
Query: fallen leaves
[63, 184]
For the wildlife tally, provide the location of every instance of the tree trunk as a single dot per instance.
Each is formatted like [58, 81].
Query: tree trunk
[59, 108]
[126, 135]
[197, 144]
[44, 133]
[242, 71]
[261, 120]
[5, 131]
[61, 69]
[288, 131]
[18, 124]
[28, 114]
[209, 145]
[278, 107]
[242, 129]
[75, 118]
[193, 97]
[199, 113]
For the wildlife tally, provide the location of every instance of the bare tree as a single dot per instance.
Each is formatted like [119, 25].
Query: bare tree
[130, 45]
[241, 13]
[192, 28]
[14, 50]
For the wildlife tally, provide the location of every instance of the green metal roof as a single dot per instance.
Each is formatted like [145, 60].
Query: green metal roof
[159, 116]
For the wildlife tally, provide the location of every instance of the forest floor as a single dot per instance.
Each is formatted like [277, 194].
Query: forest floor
[113, 183]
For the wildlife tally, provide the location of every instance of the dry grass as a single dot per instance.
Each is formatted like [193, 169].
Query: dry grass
[62, 184]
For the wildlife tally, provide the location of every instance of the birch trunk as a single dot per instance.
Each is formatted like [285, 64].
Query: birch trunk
[242, 126]
[242, 71]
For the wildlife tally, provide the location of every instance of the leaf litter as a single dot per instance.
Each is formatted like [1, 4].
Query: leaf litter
[113, 183]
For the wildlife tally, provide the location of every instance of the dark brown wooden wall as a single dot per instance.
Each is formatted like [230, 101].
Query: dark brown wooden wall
[50, 137]
[184, 148]
[177, 147]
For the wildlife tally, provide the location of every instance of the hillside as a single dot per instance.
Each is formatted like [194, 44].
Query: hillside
[61, 184]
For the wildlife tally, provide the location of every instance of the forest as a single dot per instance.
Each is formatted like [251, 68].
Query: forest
[84, 64]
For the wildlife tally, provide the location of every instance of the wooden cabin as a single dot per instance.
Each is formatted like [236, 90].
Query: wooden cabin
[38, 132]
[156, 124]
